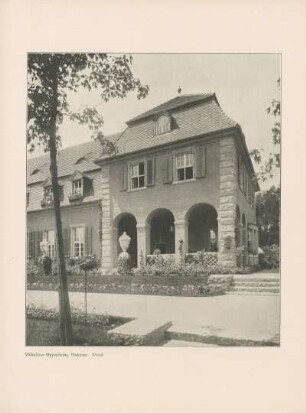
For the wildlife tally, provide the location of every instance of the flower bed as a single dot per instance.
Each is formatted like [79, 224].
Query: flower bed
[153, 285]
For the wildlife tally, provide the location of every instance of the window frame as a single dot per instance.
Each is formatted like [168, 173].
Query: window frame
[185, 165]
[82, 243]
[131, 177]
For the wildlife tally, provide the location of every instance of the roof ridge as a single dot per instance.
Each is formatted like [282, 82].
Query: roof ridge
[163, 106]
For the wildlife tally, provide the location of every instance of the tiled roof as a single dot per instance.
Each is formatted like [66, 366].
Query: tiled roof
[171, 104]
[192, 115]
[78, 157]
[203, 118]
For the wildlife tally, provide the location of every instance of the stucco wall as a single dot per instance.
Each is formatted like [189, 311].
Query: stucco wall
[177, 197]
[87, 215]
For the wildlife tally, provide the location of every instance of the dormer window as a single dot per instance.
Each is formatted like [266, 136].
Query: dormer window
[162, 124]
[77, 187]
[81, 186]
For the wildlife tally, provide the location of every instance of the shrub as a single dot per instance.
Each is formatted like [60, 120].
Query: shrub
[271, 256]
[124, 266]
[32, 269]
[86, 262]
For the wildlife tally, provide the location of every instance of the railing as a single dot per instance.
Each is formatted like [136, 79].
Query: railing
[169, 258]
[75, 197]
[209, 259]
[46, 203]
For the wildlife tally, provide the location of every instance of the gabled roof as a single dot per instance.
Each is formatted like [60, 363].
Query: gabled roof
[171, 104]
[85, 153]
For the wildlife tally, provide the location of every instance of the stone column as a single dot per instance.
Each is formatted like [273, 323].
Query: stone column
[181, 233]
[106, 237]
[143, 242]
[227, 208]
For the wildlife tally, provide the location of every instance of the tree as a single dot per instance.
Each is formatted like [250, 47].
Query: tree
[268, 216]
[50, 78]
[273, 161]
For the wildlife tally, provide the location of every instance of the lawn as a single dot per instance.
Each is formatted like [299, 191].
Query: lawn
[42, 327]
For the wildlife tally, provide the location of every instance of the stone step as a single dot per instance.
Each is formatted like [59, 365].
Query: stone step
[255, 289]
[255, 279]
[184, 343]
[250, 293]
[255, 284]
[142, 331]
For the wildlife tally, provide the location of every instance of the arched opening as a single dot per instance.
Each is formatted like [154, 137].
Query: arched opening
[127, 223]
[203, 228]
[162, 231]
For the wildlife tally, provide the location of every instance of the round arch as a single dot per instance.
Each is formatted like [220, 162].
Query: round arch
[162, 231]
[202, 228]
[126, 222]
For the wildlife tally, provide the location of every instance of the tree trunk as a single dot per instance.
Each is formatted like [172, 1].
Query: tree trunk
[64, 305]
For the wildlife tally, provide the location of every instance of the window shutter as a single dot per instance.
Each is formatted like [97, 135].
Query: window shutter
[167, 169]
[61, 192]
[124, 177]
[66, 242]
[200, 166]
[150, 172]
[38, 239]
[88, 240]
[31, 244]
[88, 187]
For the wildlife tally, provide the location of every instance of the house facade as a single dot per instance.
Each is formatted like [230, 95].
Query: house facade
[181, 178]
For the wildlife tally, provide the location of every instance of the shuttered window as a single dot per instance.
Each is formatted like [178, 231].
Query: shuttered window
[137, 175]
[78, 241]
[184, 166]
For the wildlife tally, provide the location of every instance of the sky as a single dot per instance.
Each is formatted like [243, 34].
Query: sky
[244, 84]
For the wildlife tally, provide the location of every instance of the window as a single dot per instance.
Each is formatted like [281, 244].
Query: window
[162, 124]
[78, 241]
[137, 175]
[50, 236]
[28, 198]
[77, 187]
[48, 192]
[184, 166]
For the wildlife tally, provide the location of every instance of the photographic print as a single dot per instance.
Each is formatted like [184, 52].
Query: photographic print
[153, 199]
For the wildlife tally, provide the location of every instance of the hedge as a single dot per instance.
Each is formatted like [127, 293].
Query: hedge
[153, 285]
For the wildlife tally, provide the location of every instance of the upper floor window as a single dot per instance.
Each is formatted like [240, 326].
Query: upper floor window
[162, 124]
[77, 187]
[184, 166]
[137, 173]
